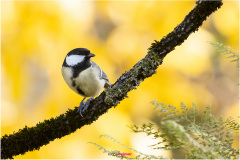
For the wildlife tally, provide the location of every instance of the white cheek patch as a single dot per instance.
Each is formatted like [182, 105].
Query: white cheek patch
[72, 60]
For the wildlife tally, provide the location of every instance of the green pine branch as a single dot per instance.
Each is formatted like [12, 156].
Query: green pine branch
[226, 50]
[207, 138]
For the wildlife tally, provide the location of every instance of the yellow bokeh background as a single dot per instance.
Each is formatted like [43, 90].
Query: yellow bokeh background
[37, 35]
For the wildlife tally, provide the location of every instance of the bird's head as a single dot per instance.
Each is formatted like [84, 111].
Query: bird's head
[77, 56]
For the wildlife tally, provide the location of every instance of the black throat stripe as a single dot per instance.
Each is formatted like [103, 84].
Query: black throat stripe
[77, 69]
[80, 91]
[73, 82]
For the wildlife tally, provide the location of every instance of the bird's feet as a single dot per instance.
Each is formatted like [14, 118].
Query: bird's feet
[83, 106]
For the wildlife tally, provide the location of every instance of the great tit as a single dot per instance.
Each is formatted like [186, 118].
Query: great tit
[84, 76]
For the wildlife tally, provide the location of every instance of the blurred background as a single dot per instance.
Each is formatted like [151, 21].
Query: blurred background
[36, 36]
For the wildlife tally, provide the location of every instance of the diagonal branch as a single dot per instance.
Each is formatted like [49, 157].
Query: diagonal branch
[31, 138]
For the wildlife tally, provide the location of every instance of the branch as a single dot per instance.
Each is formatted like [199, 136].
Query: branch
[31, 138]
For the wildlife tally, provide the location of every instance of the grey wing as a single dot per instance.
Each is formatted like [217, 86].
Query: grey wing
[102, 75]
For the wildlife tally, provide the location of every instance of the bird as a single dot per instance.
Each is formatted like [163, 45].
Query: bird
[84, 76]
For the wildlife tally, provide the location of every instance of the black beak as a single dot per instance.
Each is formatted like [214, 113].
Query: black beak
[90, 55]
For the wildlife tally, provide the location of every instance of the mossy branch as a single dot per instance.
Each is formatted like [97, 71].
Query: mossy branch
[32, 138]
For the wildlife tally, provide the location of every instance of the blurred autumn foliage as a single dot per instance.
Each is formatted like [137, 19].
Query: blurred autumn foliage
[36, 36]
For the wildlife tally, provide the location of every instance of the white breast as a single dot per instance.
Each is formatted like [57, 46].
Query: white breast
[67, 74]
[88, 81]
